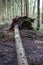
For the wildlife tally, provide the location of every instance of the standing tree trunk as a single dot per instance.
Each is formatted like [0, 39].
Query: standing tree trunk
[38, 14]
[6, 7]
[27, 7]
[34, 7]
[1, 8]
[24, 7]
[13, 8]
[42, 11]
[21, 7]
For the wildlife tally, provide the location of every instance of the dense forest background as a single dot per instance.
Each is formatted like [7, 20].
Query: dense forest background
[10, 9]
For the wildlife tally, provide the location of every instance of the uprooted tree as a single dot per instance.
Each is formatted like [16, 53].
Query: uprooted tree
[23, 22]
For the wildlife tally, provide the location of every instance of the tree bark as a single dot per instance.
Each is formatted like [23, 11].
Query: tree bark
[34, 7]
[24, 7]
[42, 11]
[27, 7]
[21, 7]
[6, 7]
[38, 14]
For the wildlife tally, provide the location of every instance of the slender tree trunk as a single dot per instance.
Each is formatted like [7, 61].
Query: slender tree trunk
[6, 7]
[3, 10]
[42, 11]
[38, 14]
[1, 7]
[34, 7]
[24, 7]
[27, 7]
[21, 7]
[11, 8]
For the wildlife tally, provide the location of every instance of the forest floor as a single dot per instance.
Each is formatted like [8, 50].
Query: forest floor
[32, 42]
[8, 54]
